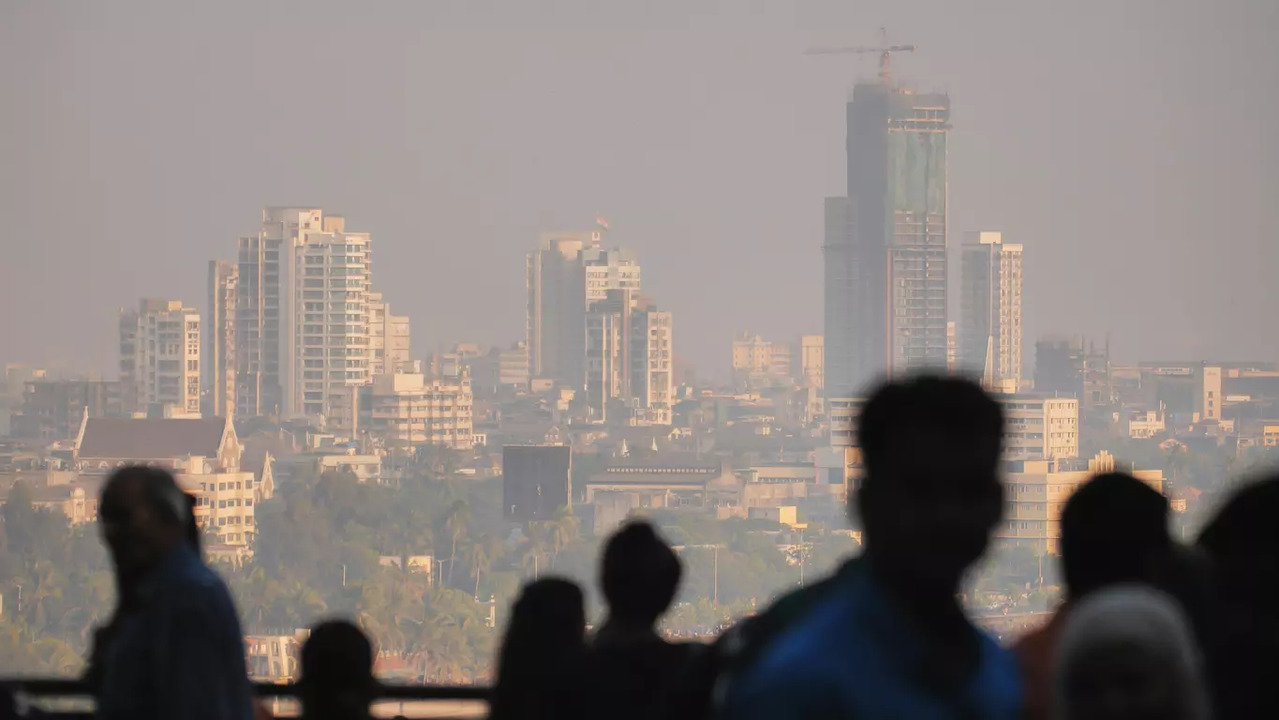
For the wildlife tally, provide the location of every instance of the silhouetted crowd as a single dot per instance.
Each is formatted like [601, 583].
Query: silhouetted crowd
[1149, 628]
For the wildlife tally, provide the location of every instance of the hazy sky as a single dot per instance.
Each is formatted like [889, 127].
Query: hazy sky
[1129, 145]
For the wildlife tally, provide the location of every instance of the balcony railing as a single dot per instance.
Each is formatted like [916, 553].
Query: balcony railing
[73, 696]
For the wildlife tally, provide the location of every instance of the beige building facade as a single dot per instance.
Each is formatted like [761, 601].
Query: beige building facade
[409, 410]
[160, 358]
[219, 339]
[1037, 490]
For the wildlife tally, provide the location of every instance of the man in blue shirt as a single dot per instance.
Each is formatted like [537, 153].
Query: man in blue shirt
[177, 650]
[887, 637]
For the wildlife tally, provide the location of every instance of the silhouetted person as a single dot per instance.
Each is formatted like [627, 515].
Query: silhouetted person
[125, 604]
[539, 670]
[337, 680]
[630, 666]
[1127, 652]
[177, 649]
[1242, 542]
[1114, 529]
[888, 638]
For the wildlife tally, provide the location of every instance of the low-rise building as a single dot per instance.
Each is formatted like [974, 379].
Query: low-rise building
[1144, 424]
[274, 658]
[1037, 490]
[53, 409]
[618, 491]
[1040, 427]
[203, 454]
[365, 468]
[408, 410]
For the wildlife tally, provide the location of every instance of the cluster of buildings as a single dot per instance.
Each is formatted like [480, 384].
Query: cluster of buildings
[296, 346]
[593, 334]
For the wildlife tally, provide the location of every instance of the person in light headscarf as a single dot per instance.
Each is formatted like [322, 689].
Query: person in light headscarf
[1128, 653]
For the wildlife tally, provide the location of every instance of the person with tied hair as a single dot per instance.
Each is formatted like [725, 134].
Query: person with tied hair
[630, 666]
[542, 659]
[175, 648]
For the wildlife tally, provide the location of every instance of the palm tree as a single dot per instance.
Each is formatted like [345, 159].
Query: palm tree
[456, 523]
[561, 530]
[534, 549]
[483, 552]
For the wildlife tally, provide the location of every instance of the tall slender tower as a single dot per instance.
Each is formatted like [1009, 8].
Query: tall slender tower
[557, 307]
[219, 339]
[265, 311]
[885, 245]
[990, 308]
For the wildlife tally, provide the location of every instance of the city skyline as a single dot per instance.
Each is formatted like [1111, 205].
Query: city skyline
[1037, 175]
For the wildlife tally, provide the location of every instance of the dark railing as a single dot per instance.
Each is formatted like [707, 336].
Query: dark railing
[59, 689]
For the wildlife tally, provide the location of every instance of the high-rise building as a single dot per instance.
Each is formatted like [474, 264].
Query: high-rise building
[331, 358]
[652, 364]
[1075, 367]
[160, 358]
[990, 310]
[885, 242]
[556, 327]
[567, 273]
[309, 331]
[629, 358]
[616, 269]
[389, 338]
[265, 310]
[219, 339]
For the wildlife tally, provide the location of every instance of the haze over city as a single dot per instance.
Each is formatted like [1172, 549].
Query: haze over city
[1127, 145]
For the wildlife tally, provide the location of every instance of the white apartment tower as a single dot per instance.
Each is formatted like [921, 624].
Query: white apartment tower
[304, 335]
[265, 311]
[160, 358]
[990, 331]
[219, 339]
[332, 355]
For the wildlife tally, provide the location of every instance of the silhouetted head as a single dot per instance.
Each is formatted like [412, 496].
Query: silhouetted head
[639, 574]
[541, 652]
[143, 515]
[1114, 529]
[1242, 541]
[548, 615]
[337, 671]
[1127, 653]
[931, 493]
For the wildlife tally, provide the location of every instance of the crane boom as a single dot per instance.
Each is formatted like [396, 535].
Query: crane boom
[884, 51]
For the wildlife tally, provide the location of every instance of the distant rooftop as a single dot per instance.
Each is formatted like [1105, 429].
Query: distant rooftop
[151, 438]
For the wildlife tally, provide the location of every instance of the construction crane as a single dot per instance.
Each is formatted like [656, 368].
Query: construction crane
[885, 52]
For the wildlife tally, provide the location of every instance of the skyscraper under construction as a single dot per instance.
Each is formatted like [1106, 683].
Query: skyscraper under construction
[885, 242]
